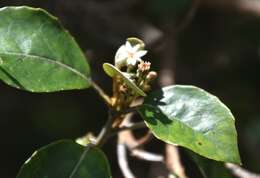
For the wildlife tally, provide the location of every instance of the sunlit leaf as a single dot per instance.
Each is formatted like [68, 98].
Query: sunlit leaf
[37, 54]
[191, 117]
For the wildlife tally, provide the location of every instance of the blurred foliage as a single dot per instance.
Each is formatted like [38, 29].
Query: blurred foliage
[168, 8]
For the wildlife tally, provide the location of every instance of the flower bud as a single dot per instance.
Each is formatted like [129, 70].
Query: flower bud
[151, 76]
[144, 66]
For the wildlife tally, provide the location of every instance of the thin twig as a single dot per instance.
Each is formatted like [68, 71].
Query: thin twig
[145, 139]
[127, 135]
[173, 161]
[122, 160]
[189, 16]
[147, 156]
[101, 93]
[240, 172]
[82, 156]
[108, 131]
[134, 126]
[105, 132]
[132, 144]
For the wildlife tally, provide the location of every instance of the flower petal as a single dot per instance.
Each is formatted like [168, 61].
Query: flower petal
[121, 54]
[122, 48]
[141, 53]
[128, 54]
[121, 57]
[128, 46]
[131, 61]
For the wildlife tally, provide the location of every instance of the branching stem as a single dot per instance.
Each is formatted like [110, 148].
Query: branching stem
[128, 110]
[108, 130]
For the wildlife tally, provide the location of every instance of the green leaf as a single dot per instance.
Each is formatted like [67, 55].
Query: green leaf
[59, 159]
[112, 71]
[136, 41]
[37, 54]
[192, 118]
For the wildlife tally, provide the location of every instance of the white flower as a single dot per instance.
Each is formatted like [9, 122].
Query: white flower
[129, 55]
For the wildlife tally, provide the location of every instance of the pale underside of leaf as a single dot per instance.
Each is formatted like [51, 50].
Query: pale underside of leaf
[112, 71]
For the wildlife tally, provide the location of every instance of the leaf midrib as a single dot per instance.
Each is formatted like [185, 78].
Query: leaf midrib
[177, 120]
[48, 60]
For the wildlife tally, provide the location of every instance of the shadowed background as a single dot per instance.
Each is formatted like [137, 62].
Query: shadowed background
[213, 45]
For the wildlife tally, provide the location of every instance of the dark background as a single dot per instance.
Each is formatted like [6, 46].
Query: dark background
[213, 45]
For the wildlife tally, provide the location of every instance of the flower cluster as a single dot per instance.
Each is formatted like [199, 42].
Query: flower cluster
[128, 59]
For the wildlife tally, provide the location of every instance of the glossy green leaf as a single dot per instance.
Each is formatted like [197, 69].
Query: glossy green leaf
[192, 118]
[113, 71]
[58, 160]
[37, 54]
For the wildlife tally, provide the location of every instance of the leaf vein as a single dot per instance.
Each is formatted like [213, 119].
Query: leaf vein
[49, 61]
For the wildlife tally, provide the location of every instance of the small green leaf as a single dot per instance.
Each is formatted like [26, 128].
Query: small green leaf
[37, 54]
[191, 117]
[59, 159]
[136, 41]
[113, 71]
